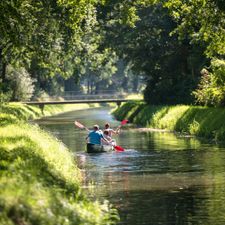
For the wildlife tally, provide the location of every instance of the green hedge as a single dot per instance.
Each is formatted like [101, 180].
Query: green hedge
[196, 120]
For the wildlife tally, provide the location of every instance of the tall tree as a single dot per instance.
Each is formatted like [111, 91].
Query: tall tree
[44, 30]
[202, 21]
[171, 67]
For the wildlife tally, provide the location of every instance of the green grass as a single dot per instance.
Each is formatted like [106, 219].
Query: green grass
[49, 109]
[39, 178]
[196, 120]
[135, 96]
[128, 110]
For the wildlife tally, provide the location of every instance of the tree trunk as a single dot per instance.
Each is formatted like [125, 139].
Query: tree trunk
[135, 83]
[88, 86]
[3, 72]
[3, 68]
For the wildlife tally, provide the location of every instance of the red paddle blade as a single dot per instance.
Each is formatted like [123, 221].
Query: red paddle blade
[118, 148]
[123, 122]
[78, 124]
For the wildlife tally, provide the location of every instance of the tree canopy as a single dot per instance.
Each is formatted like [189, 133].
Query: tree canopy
[111, 44]
[201, 21]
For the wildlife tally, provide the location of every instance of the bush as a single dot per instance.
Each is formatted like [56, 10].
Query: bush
[5, 97]
[211, 89]
[21, 83]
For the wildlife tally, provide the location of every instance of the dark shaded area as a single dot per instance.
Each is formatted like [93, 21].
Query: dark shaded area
[161, 207]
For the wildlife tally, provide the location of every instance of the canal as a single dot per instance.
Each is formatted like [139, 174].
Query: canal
[161, 178]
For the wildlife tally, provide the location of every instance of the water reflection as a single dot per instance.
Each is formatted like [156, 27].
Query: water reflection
[161, 178]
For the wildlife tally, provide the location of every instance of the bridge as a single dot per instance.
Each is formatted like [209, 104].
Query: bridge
[77, 98]
[41, 104]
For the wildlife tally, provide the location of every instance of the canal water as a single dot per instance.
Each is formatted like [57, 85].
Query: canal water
[160, 178]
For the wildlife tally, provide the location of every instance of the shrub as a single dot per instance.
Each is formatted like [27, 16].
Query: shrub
[211, 89]
[21, 83]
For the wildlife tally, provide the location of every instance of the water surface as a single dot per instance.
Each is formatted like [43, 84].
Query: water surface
[161, 178]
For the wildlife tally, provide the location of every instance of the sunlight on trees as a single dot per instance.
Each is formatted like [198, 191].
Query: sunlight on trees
[165, 45]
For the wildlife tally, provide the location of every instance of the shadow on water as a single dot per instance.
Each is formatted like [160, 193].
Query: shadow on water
[160, 207]
[159, 179]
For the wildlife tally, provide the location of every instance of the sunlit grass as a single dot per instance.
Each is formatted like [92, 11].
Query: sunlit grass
[135, 96]
[127, 110]
[25, 112]
[39, 178]
[44, 146]
[196, 120]
[54, 109]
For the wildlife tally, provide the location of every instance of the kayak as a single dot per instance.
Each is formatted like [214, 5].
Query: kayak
[92, 148]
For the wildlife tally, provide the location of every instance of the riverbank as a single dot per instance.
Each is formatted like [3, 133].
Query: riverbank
[39, 178]
[200, 121]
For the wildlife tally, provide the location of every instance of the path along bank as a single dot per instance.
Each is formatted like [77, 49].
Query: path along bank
[201, 121]
[39, 179]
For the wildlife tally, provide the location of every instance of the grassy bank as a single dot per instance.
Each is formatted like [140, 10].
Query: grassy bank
[195, 120]
[25, 112]
[39, 179]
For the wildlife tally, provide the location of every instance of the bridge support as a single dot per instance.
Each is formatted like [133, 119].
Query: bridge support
[118, 104]
[41, 106]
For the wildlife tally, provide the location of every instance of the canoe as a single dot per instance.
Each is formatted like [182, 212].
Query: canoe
[92, 148]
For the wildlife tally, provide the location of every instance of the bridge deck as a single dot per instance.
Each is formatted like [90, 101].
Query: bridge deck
[77, 101]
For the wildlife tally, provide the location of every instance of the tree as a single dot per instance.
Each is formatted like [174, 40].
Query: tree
[21, 82]
[211, 89]
[170, 66]
[202, 21]
[43, 31]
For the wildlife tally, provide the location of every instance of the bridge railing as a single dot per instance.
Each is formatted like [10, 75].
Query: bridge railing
[93, 96]
[75, 95]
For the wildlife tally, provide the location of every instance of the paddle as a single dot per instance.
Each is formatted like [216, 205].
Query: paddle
[123, 122]
[118, 148]
[80, 125]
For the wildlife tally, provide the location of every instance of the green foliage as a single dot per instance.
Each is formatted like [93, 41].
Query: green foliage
[36, 185]
[128, 110]
[196, 120]
[146, 114]
[202, 21]
[15, 112]
[211, 89]
[54, 40]
[21, 83]
[46, 34]
[28, 28]
[4, 97]
[85, 41]
[170, 67]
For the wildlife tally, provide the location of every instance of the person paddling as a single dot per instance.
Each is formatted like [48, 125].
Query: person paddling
[108, 138]
[94, 138]
[111, 132]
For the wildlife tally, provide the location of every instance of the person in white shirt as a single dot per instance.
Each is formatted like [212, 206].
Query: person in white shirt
[110, 130]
